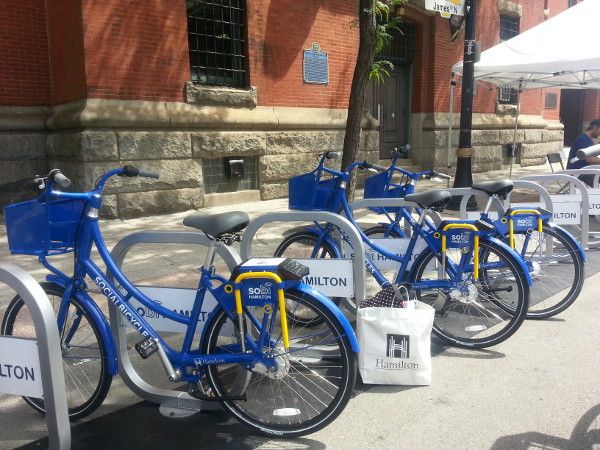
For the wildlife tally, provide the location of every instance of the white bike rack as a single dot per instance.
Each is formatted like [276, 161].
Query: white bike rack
[358, 268]
[570, 208]
[172, 403]
[466, 194]
[177, 403]
[48, 343]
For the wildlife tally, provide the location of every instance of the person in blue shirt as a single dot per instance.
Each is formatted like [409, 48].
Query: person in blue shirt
[585, 141]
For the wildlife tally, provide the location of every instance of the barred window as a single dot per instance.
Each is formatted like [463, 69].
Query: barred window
[509, 28]
[216, 37]
[399, 50]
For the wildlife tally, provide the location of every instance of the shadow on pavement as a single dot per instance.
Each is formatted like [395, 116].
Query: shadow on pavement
[586, 435]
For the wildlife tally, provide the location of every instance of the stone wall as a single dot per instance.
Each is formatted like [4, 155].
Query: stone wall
[87, 138]
[90, 137]
[22, 152]
[490, 136]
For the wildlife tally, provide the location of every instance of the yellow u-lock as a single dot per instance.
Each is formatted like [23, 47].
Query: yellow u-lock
[475, 243]
[275, 277]
[511, 233]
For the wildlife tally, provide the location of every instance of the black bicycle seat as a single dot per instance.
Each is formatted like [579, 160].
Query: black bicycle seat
[218, 225]
[501, 188]
[435, 199]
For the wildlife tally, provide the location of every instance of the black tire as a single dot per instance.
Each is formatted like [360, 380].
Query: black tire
[84, 355]
[557, 276]
[381, 232]
[481, 318]
[303, 245]
[311, 392]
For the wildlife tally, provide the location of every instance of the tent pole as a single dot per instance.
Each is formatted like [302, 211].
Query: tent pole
[514, 144]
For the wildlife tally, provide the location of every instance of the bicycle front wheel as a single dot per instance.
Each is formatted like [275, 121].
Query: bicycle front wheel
[556, 267]
[312, 385]
[85, 366]
[303, 245]
[488, 310]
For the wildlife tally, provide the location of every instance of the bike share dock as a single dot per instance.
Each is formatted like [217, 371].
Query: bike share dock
[547, 372]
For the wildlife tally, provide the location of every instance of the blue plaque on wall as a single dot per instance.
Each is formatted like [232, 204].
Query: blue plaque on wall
[315, 65]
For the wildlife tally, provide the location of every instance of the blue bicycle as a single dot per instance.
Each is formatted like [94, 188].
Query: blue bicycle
[269, 371]
[477, 285]
[554, 257]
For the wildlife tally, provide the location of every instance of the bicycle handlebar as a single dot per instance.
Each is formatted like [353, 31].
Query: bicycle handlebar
[377, 167]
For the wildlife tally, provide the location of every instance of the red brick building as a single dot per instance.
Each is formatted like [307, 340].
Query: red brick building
[187, 87]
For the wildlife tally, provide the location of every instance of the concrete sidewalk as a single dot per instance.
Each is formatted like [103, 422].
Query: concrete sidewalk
[539, 389]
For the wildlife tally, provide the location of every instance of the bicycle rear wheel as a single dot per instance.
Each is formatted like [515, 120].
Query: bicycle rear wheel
[313, 385]
[477, 317]
[85, 365]
[303, 245]
[556, 267]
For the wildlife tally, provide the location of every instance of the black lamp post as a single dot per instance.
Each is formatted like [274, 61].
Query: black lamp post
[464, 154]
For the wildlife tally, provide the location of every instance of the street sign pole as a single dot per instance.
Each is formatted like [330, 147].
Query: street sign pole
[464, 154]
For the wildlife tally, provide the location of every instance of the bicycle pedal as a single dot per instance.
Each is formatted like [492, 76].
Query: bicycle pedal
[146, 348]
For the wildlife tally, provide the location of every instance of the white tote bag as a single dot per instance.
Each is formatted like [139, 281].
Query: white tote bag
[395, 344]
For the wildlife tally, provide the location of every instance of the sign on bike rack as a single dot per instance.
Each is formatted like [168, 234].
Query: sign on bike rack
[333, 277]
[36, 365]
[592, 192]
[569, 205]
[173, 403]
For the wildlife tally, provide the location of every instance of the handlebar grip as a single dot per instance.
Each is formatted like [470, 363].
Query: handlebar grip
[57, 177]
[369, 165]
[440, 175]
[331, 155]
[378, 168]
[148, 174]
[132, 171]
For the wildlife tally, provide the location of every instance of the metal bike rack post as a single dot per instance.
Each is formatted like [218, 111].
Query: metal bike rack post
[173, 403]
[593, 192]
[48, 342]
[560, 200]
[466, 194]
[358, 269]
[543, 193]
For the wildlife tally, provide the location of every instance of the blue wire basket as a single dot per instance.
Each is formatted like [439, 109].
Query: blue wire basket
[381, 186]
[308, 192]
[43, 227]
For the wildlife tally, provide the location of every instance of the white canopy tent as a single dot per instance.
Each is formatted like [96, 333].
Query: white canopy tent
[560, 53]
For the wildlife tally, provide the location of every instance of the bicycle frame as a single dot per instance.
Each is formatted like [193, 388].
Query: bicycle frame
[422, 229]
[502, 225]
[174, 360]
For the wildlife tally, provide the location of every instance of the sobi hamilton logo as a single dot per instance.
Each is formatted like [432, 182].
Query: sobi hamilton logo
[398, 346]
[262, 292]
